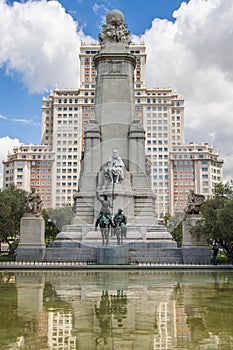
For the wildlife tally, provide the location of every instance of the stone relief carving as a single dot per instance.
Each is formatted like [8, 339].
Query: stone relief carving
[114, 67]
[148, 166]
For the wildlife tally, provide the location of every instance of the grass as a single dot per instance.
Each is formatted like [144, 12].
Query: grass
[4, 257]
[221, 258]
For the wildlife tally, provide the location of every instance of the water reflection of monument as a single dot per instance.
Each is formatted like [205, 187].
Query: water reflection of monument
[111, 307]
[156, 310]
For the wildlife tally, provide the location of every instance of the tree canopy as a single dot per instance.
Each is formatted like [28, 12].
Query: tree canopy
[217, 217]
[54, 220]
[60, 216]
[12, 207]
[174, 226]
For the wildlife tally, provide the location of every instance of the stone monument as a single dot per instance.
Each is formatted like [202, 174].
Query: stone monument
[114, 164]
[32, 229]
[114, 161]
[194, 249]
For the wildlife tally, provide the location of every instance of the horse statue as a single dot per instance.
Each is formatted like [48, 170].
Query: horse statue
[104, 222]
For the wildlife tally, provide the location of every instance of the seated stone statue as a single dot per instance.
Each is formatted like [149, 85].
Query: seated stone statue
[34, 204]
[114, 170]
[194, 203]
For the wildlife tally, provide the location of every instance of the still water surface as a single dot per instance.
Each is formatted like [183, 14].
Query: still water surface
[145, 310]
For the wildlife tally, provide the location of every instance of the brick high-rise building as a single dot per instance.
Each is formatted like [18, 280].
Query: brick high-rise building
[31, 167]
[195, 166]
[160, 109]
[66, 112]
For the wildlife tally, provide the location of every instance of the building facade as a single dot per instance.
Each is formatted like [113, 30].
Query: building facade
[66, 112]
[30, 166]
[160, 109]
[195, 166]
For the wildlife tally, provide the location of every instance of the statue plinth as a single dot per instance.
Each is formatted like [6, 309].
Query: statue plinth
[32, 245]
[112, 256]
[195, 249]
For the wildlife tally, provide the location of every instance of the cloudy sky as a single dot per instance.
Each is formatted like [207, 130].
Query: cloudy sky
[189, 46]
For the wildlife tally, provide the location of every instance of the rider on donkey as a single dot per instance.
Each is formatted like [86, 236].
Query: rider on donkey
[120, 220]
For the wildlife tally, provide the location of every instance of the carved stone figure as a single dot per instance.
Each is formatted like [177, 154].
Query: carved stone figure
[105, 204]
[34, 204]
[120, 221]
[194, 203]
[115, 30]
[148, 166]
[114, 170]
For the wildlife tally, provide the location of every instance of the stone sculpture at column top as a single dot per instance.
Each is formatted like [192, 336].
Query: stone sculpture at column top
[34, 205]
[194, 203]
[115, 30]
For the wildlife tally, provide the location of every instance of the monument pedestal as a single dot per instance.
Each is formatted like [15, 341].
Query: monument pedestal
[112, 255]
[195, 249]
[32, 245]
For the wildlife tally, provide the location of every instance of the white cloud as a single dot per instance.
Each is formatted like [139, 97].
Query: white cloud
[40, 41]
[20, 120]
[6, 145]
[193, 55]
[25, 121]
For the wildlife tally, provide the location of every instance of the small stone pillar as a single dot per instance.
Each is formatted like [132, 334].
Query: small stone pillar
[195, 249]
[31, 244]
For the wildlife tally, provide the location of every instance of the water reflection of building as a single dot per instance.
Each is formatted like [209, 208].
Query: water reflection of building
[60, 325]
[145, 310]
[181, 329]
[164, 339]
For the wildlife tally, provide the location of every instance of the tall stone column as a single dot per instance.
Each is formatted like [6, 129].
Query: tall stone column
[144, 202]
[84, 198]
[114, 108]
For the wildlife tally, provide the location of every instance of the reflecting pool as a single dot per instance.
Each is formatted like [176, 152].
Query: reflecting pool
[131, 310]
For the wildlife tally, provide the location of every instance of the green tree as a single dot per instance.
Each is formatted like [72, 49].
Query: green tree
[51, 230]
[55, 219]
[12, 207]
[174, 226]
[60, 216]
[217, 218]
